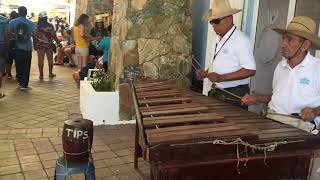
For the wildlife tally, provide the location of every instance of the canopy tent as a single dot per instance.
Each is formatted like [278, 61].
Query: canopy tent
[36, 6]
[61, 8]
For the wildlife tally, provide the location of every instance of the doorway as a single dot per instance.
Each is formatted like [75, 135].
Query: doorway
[272, 13]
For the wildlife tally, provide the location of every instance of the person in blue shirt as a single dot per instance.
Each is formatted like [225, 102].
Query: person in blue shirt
[13, 15]
[3, 48]
[22, 29]
[105, 46]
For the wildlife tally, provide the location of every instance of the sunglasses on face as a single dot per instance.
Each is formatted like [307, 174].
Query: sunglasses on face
[215, 21]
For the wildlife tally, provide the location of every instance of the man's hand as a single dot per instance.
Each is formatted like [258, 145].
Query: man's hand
[59, 44]
[98, 38]
[249, 100]
[201, 74]
[309, 114]
[214, 77]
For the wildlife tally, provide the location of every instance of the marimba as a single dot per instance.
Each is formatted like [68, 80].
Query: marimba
[185, 135]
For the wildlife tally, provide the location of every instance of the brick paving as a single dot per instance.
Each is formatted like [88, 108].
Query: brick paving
[31, 126]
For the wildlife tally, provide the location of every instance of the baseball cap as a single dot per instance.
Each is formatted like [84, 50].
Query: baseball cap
[43, 14]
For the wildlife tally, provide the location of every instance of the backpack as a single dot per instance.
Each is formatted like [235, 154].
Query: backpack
[21, 33]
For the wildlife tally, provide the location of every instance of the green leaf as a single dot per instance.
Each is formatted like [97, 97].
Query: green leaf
[102, 81]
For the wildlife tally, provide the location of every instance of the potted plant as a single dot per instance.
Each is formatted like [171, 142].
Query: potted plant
[99, 101]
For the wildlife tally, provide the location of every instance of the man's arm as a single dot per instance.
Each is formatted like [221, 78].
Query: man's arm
[10, 30]
[72, 35]
[82, 31]
[101, 45]
[34, 34]
[255, 99]
[33, 28]
[54, 35]
[240, 74]
[86, 36]
[309, 114]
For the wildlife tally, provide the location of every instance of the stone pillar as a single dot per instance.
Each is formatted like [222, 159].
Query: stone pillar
[93, 7]
[81, 7]
[152, 36]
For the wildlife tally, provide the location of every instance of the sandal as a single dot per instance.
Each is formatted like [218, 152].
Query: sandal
[2, 95]
[52, 75]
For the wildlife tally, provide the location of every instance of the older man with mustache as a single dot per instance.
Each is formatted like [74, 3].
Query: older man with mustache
[296, 82]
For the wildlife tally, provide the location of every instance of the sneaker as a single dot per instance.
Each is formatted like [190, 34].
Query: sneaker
[9, 76]
[23, 88]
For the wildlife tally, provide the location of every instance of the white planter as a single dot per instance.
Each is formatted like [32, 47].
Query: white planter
[100, 107]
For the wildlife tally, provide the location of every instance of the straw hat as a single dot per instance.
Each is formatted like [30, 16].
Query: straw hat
[219, 9]
[302, 26]
[99, 19]
[43, 14]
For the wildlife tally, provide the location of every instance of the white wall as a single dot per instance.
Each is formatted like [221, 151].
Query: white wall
[318, 52]
[72, 9]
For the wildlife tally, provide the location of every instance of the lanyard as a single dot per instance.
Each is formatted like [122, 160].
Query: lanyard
[215, 49]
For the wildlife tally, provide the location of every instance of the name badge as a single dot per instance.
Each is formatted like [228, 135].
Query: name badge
[305, 81]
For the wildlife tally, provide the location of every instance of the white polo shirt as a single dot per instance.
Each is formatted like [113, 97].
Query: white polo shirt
[297, 88]
[235, 54]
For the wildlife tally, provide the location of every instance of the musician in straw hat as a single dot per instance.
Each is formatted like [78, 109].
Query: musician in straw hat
[233, 62]
[296, 81]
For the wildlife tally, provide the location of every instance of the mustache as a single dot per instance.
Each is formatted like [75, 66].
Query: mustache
[283, 50]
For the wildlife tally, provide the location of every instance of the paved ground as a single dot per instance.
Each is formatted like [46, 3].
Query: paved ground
[30, 132]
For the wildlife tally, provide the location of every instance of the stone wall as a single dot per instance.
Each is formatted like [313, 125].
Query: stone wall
[152, 35]
[81, 7]
[93, 7]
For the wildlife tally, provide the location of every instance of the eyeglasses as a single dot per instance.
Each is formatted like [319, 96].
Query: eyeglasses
[215, 21]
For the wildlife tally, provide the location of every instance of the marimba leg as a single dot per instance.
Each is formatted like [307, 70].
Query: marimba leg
[155, 172]
[136, 147]
[169, 174]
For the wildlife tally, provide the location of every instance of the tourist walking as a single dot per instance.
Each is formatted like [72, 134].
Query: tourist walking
[13, 15]
[22, 29]
[43, 43]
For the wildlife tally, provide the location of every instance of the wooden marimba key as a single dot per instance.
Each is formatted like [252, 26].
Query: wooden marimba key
[185, 135]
